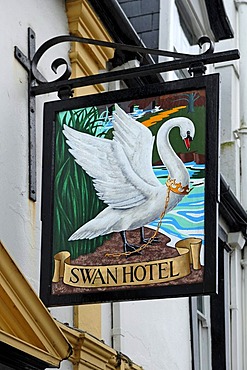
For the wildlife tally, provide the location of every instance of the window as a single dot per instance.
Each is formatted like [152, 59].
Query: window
[201, 332]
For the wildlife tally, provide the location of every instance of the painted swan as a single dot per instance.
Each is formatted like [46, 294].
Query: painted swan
[123, 176]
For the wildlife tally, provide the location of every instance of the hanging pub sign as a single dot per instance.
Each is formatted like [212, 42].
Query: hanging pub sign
[130, 193]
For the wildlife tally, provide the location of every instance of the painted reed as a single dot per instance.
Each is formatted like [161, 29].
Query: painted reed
[75, 199]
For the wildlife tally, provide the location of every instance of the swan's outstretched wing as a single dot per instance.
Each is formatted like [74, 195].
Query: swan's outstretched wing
[105, 161]
[137, 143]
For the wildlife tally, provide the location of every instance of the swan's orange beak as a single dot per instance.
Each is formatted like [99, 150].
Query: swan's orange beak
[187, 141]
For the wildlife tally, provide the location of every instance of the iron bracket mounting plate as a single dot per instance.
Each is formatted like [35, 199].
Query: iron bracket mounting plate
[26, 63]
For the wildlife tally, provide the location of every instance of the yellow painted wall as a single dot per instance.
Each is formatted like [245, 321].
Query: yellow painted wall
[87, 59]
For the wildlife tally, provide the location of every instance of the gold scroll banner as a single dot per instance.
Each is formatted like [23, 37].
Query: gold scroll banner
[142, 273]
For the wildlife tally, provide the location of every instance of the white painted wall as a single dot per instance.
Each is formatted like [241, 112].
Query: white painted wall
[162, 331]
[20, 225]
[154, 334]
[20, 218]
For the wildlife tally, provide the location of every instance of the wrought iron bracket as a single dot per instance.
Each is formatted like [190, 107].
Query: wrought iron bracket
[26, 62]
[64, 85]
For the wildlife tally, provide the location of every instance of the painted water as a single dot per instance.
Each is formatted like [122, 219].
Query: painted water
[187, 218]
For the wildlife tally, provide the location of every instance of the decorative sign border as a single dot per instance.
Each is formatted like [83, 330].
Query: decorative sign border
[89, 135]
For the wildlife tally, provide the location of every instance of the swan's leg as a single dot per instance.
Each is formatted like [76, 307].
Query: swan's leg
[127, 246]
[145, 240]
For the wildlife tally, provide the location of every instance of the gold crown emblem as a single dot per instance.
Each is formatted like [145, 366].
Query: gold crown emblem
[176, 187]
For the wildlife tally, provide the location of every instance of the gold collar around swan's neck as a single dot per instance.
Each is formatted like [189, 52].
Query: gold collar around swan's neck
[176, 187]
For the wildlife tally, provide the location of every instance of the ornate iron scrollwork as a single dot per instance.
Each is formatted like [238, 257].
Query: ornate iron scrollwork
[64, 84]
[135, 49]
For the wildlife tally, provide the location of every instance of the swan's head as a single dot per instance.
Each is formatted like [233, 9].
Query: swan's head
[186, 128]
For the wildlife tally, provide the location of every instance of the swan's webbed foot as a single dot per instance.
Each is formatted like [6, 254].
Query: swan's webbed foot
[145, 240]
[127, 247]
[131, 248]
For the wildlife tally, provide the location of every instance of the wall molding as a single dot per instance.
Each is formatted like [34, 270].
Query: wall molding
[87, 59]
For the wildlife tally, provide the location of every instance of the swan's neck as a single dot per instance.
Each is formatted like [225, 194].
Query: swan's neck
[173, 163]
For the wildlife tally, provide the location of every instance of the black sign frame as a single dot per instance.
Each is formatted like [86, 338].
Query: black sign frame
[209, 284]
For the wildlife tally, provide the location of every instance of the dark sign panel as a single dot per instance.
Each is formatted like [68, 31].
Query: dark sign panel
[130, 192]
